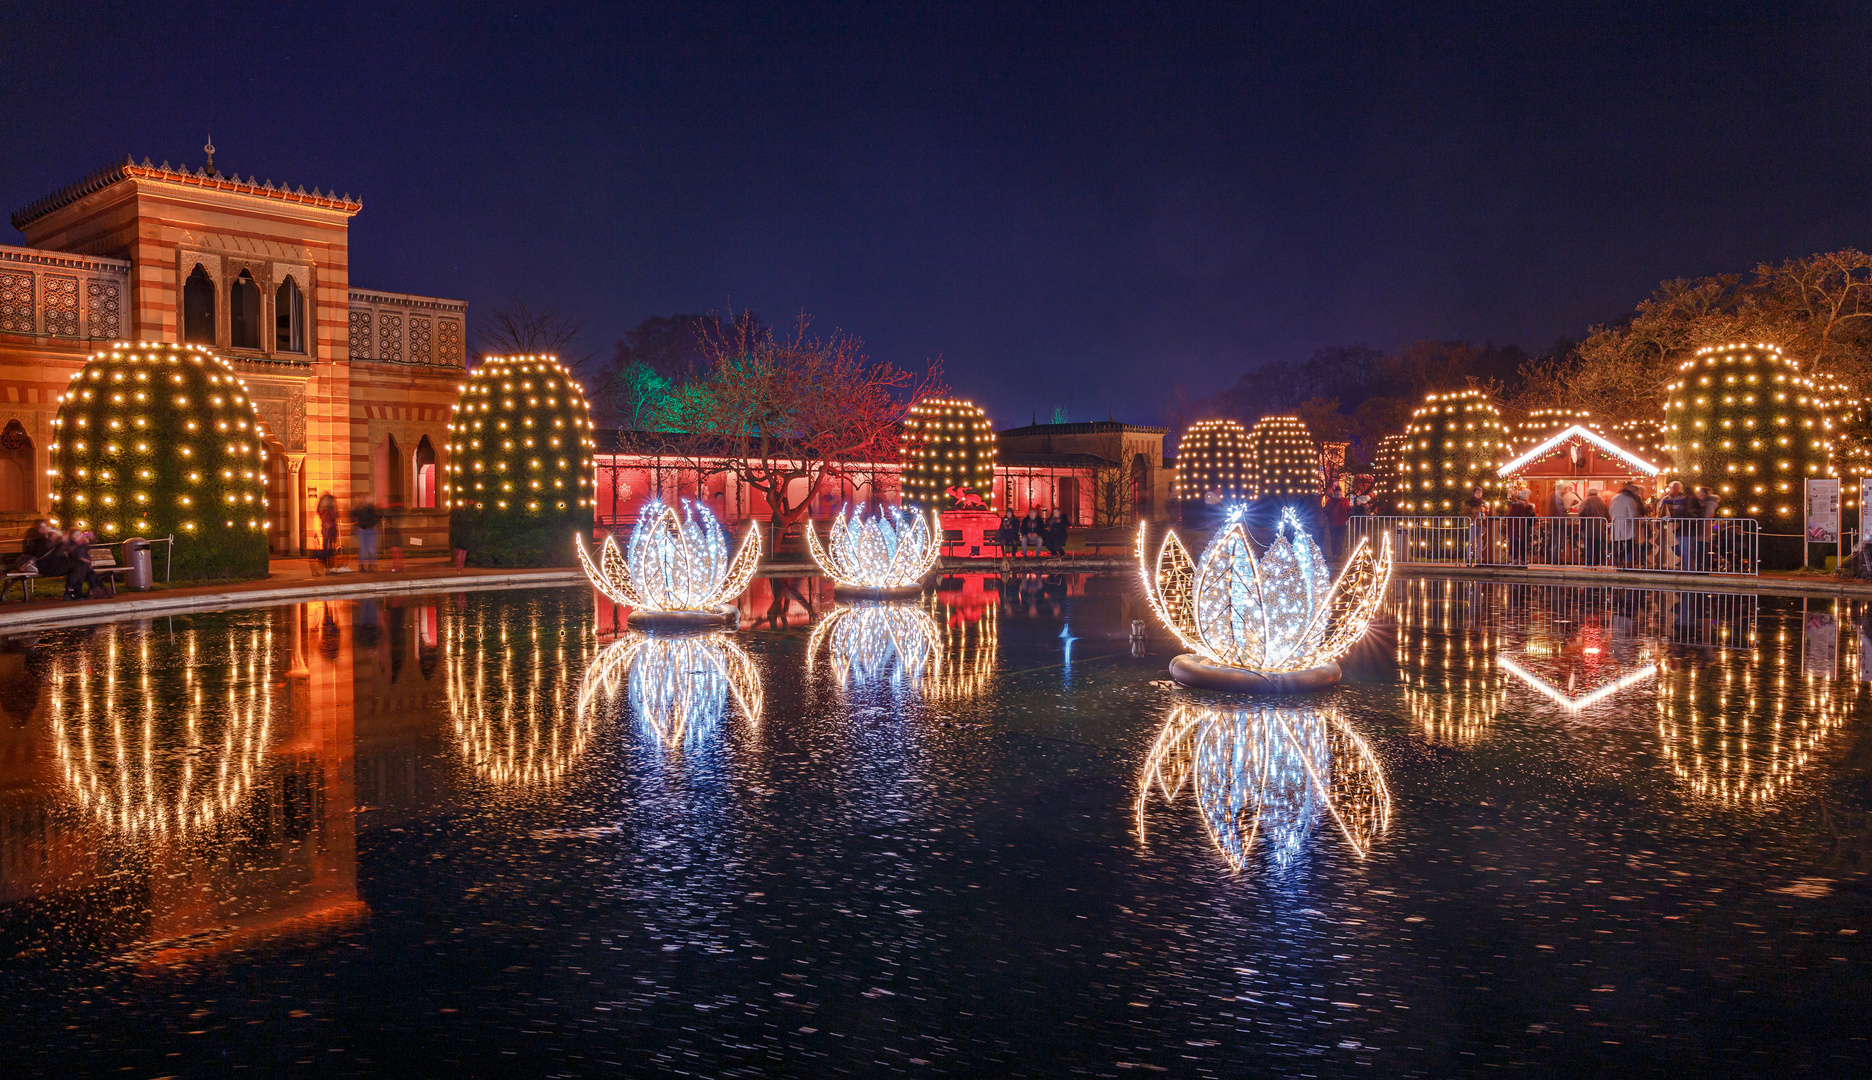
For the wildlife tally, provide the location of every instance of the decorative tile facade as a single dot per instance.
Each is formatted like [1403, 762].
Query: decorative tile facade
[18, 307]
[61, 305]
[104, 304]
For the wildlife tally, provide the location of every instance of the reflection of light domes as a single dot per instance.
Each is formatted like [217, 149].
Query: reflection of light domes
[509, 698]
[112, 729]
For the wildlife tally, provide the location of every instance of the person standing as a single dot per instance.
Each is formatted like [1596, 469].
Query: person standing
[328, 529]
[1708, 503]
[1593, 515]
[1338, 513]
[366, 519]
[1475, 508]
[1520, 526]
[1679, 509]
[1622, 524]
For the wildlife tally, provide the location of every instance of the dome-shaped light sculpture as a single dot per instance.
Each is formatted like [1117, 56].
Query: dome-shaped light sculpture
[892, 645]
[1453, 445]
[885, 555]
[155, 439]
[1215, 458]
[1542, 424]
[1268, 775]
[678, 687]
[947, 446]
[677, 569]
[1285, 458]
[520, 473]
[1268, 623]
[1743, 420]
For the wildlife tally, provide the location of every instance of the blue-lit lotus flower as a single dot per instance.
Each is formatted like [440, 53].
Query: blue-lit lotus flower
[1268, 775]
[674, 562]
[894, 550]
[870, 644]
[1273, 612]
[679, 688]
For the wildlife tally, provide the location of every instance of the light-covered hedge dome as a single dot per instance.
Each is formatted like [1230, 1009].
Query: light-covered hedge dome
[154, 440]
[1286, 459]
[1454, 444]
[1744, 421]
[1214, 455]
[520, 478]
[947, 444]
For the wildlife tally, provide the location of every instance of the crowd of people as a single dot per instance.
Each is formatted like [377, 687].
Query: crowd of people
[1018, 536]
[374, 528]
[1573, 530]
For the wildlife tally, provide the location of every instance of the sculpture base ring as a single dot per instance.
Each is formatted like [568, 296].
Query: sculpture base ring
[878, 592]
[727, 615]
[1192, 670]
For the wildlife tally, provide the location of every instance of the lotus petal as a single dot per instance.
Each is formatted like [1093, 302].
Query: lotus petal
[1231, 616]
[1352, 602]
[1169, 590]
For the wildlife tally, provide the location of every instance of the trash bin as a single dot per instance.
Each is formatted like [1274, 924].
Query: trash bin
[137, 561]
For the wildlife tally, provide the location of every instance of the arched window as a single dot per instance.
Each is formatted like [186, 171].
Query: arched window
[244, 312]
[425, 474]
[389, 473]
[288, 317]
[198, 308]
[18, 492]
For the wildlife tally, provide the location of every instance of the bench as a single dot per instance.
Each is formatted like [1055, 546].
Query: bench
[103, 563]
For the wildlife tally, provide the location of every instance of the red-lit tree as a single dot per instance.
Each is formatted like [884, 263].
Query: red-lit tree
[782, 410]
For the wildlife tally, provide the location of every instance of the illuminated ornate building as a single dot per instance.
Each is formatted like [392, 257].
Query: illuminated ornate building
[352, 386]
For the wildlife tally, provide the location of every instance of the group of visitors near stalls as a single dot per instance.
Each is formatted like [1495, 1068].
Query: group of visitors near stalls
[1032, 533]
[1571, 530]
[49, 552]
[373, 528]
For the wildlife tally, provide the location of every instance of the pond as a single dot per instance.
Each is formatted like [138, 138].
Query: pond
[487, 834]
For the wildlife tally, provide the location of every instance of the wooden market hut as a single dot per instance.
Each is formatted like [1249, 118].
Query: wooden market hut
[1581, 457]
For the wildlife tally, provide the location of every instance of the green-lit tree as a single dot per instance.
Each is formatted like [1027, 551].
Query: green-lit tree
[157, 440]
[520, 463]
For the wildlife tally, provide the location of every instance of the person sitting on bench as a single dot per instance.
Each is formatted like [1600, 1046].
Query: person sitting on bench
[50, 553]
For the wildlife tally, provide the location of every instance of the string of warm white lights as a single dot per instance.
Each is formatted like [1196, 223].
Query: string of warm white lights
[674, 562]
[1286, 460]
[892, 549]
[508, 697]
[1215, 456]
[1553, 443]
[1276, 612]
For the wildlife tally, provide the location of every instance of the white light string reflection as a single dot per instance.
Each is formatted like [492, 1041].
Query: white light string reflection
[678, 688]
[894, 645]
[509, 698]
[1268, 775]
[1568, 701]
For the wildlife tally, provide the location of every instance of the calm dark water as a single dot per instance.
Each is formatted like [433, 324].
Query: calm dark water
[1550, 829]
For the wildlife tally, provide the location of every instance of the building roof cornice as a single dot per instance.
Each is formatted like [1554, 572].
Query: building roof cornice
[203, 179]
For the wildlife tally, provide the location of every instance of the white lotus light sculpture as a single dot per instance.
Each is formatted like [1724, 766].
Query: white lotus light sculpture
[1272, 622]
[871, 644]
[1268, 775]
[890, 552]
[677, 567]
[679, 687]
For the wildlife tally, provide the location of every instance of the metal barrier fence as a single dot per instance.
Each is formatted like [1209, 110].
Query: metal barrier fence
[1678, 545]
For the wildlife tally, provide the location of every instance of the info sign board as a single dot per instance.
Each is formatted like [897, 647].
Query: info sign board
[1823, 513]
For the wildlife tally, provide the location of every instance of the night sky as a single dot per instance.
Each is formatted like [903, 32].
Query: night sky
[1074, 207]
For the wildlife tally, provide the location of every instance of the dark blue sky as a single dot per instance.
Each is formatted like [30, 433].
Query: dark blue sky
[1077, 205]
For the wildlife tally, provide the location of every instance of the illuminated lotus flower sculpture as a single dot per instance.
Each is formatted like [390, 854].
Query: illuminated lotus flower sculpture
[674, 564]
[1272, 622]
[1268, 775]
[893, 551]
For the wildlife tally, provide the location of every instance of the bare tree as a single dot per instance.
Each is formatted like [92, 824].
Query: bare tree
[518, 328]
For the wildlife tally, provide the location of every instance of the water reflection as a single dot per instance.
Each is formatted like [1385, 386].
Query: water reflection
[1268, 774]
[879, 644]
[971, 627]
[677, 686]
[144, 755]
[510, 694]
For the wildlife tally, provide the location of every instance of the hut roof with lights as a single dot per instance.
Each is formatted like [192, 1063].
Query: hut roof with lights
[1581, 457]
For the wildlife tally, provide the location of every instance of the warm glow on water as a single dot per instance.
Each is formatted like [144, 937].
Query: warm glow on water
[980, 833]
